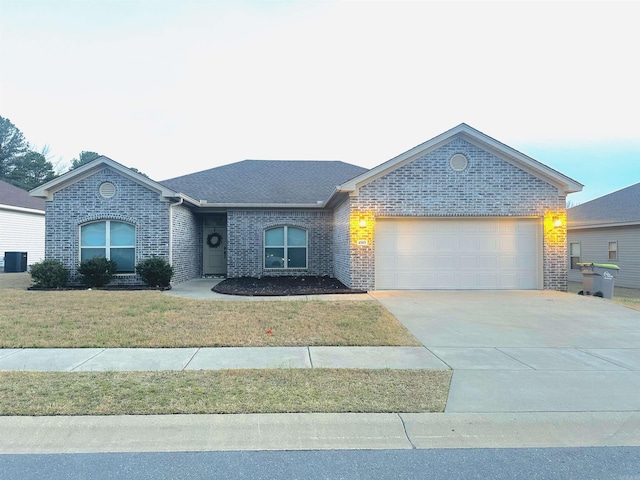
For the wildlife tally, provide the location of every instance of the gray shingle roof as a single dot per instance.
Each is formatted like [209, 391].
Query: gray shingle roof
[266, 182]
[17, 197]
[620, 207]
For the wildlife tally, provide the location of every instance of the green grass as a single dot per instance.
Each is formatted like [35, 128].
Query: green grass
[225, 391]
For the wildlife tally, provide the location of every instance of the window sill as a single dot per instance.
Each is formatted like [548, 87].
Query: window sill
[283, 269]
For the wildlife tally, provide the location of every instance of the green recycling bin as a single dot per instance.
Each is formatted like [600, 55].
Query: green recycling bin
[598, 279]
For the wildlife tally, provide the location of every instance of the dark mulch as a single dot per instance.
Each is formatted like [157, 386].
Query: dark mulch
[114, 288]
[282, 286]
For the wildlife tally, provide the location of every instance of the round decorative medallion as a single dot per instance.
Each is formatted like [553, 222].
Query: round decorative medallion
[107, 190]
[458, 162]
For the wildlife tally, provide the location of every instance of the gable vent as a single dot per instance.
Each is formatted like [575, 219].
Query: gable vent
[107, 190]
[458, 162]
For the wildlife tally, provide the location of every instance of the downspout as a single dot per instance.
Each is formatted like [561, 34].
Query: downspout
[171, 228]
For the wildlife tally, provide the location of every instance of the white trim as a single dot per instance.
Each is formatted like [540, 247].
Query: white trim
[633, 223]
[204, 204]
[21, 209]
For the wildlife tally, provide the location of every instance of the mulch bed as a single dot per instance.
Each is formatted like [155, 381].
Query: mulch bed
[114, 288]
[282, 286]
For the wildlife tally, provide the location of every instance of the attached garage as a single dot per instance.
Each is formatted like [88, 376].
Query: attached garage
[458, 253]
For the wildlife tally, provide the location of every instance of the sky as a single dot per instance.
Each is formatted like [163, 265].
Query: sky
[172, 87]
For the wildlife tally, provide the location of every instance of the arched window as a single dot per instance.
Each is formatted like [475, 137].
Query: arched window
[285, 247]
[110, 239]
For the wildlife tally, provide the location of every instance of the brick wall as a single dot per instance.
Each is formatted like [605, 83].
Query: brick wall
[341, 242]
[81, 202]
[186, 244]
[428, 187]
[245, 241]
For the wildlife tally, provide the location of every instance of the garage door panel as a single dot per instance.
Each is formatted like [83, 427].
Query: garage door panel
[488, 280]
[508, 243]
[445, 262]
[424, 262]
[527, 243]
[445, 280]
[444, 243]
[426, 280]
[469, 280]
[467, 244]
[406, 262]
[468, 262]
[487, 262]
[458, 253]
[487, 244]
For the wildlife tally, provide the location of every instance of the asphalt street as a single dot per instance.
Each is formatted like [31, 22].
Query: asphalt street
[614, 463]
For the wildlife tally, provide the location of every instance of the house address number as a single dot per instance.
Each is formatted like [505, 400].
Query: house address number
[363, 242]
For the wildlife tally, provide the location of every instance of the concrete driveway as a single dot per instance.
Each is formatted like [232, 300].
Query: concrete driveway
[527, 351]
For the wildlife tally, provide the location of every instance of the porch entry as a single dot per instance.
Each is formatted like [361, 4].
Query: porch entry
[214, 256]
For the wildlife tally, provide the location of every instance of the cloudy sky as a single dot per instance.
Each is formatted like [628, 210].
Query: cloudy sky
[172, 87]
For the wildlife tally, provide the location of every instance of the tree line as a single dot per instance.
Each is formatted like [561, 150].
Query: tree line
[24, 167]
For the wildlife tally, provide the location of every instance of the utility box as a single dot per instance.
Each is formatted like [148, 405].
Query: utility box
[15, 262]
[598, 279]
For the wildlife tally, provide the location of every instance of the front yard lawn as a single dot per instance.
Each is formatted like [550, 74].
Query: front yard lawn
[151, 319]
[148, 318]
[224, 391]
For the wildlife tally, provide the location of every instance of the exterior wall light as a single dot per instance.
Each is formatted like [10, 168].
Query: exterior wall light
[363, 223]
[557, 222]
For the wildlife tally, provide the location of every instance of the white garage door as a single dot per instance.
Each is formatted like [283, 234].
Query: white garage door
[496, 253]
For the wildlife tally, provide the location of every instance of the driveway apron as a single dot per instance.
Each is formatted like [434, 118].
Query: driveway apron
[527, 351]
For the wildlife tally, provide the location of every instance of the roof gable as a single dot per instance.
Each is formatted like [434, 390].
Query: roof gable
[16, 197]
[477, 138]
[621, 207]
[47, 190]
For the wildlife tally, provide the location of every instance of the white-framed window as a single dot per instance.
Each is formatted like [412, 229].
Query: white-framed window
[285, 247]
[110, 239]
[574, 255]
[613, 250]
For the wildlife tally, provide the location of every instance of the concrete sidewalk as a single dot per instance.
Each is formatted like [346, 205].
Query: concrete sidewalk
[315, 431]
[140, 359]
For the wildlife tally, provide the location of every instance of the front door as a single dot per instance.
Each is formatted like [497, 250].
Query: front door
[215, 251]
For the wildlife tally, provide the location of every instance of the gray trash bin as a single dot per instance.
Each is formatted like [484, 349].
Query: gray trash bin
[598, 279]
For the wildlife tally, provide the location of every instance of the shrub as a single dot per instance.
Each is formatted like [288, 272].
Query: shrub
[155, 272]
[49, 274]
[97, 271]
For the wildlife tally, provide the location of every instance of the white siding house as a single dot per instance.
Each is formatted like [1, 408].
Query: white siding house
[607, 230]
[21, 223]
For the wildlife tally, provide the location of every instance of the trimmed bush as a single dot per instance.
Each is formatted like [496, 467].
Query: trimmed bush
[97, 271]
[155, 272]
[49, 274]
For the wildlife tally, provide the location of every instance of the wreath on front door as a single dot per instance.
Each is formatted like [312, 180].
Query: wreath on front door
[214, 243]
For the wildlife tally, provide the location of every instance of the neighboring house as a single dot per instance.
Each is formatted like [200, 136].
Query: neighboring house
[460, 211]
[21, 223]
[607, 230]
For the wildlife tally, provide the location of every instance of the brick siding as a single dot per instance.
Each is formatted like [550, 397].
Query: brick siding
[186, 244]
[342, 242]
[81, 202]
[428, 187]
[245, 241]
